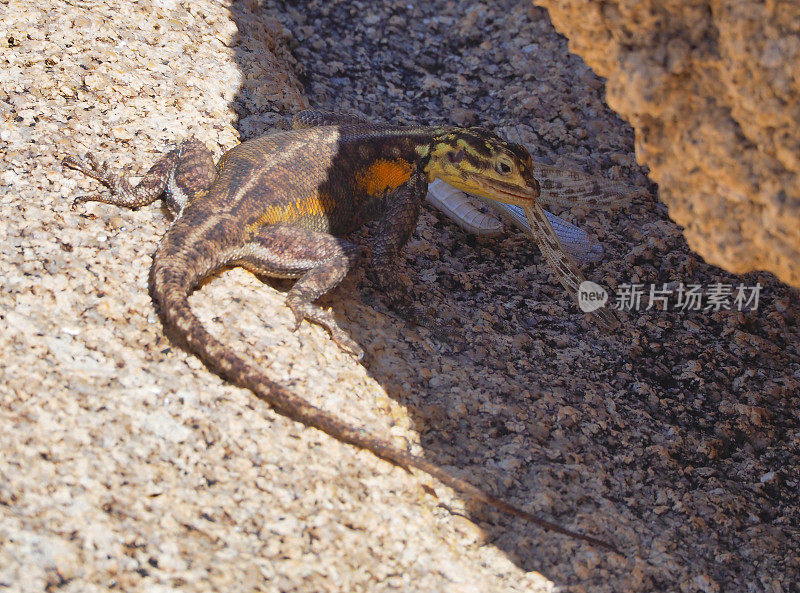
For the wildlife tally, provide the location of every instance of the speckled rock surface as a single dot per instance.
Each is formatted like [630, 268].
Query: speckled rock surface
[126, 465]
[713, 91]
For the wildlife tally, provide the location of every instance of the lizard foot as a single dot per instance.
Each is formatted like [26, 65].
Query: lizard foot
[410, 305]
[90, 166]
[303, 310]
[149, 189]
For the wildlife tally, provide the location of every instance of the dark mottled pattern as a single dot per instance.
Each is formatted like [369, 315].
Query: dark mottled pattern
[280, 205]
[394, 231]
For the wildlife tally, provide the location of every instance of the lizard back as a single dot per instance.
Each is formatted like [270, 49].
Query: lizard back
[329, 179]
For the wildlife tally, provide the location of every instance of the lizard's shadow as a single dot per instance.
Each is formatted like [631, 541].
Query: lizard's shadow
[456, 377]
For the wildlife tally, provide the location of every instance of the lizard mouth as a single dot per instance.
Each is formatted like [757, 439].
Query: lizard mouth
[508, 193]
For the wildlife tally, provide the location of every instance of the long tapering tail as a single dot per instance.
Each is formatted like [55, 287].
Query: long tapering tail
[172, 278]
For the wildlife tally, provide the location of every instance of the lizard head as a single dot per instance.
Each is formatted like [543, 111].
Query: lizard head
[479, 162]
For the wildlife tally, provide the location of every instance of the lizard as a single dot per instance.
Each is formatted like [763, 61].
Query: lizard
[557, 239]
[282, 205]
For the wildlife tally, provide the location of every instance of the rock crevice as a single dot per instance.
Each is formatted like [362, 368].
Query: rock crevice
[713, 91]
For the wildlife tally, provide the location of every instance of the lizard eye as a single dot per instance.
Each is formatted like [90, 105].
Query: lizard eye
[503, 167]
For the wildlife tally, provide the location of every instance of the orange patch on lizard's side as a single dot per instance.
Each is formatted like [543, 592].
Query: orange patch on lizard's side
[384, 175]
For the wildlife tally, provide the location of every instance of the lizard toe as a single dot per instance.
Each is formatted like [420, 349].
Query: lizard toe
[313, 313]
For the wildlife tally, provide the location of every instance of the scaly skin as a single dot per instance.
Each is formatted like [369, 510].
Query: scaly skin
[281, 205]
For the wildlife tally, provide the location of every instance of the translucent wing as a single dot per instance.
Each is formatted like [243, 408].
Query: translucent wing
[565, 187]
[576, 241]
[560, 261]
[554, 236]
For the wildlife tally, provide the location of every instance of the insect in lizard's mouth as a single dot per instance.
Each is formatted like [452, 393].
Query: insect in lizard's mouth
[508, 193]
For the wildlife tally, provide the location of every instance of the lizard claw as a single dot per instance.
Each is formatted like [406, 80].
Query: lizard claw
[303, 310]
[81, 199]
[90, 166]
[298, 312]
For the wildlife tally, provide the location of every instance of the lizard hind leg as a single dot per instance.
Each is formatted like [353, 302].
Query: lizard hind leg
[147, 191]
[183, 172]
[318, 260]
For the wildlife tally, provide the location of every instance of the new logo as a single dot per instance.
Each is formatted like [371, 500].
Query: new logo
[591, 296]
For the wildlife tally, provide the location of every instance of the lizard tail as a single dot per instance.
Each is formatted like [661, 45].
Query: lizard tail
[173, 277]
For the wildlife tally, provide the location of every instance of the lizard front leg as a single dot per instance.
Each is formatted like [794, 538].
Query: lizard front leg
[319, 261]
[185, 172]
[396, 225]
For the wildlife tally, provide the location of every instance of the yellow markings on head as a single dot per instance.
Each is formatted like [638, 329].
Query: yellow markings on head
[479, 162]
[383, 175]
[442, 166]
[423, 150]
